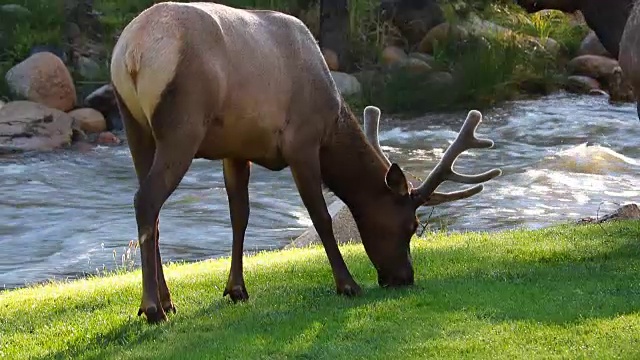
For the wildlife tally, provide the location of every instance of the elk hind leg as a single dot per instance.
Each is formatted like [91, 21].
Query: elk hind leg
[142, 147]
[175, 149]
[236, 178]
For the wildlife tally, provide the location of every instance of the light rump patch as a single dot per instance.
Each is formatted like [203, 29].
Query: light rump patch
[149, 54]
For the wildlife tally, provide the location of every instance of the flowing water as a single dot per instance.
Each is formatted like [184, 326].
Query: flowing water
[563, 157]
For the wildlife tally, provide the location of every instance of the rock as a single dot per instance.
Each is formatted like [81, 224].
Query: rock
[415, 66]
[347, 84]
[369, 78]
[103, 99]
[107, 138]
[413, 19]
[344, 227]
[625, 212]
[429, 59]
[549, 44]
[15, 9]
[89, 120]
[591, 45]
[88, 68]
[392, 55]
[114, 121]
[478, 26]
[441, 79]
[576, 18]
[331, 58]
[43, 78]
[27, 126]
[441, 34]
[581, 84]
[474, 25]
[598, 92]
[595, 66]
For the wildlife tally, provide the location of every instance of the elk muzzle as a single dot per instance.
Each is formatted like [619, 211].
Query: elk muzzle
[402, 275]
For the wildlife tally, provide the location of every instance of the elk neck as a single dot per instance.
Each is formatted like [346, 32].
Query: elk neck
[351, 168]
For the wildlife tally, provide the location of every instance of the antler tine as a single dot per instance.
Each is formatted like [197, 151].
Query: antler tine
[425, 194]
[371, 123]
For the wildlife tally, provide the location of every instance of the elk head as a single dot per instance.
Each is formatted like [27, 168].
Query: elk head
[387, 226]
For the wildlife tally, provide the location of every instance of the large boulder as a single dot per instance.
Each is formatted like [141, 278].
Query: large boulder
[595, 66]
[103, 99]
[441, 34]
[477, 26]
[413, 19]
[43, 78]
[30, 126]
[331, 58]
[591, 45]
[392, 54]
[581, 84]
[344, 228]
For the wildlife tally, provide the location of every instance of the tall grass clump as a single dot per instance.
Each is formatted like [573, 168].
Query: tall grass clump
[548, 24]
[484, 71]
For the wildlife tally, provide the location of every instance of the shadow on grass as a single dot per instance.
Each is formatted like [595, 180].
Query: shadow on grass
[458, 287]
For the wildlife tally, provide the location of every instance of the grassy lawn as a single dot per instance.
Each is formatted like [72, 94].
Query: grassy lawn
[563, 292]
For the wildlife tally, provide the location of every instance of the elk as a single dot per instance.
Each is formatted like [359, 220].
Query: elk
[203, 80]
[616, 24]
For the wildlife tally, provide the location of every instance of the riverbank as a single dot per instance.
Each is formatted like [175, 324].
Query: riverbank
[471, 54]
[562, 291]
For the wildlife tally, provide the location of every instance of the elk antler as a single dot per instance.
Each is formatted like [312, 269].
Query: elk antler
[371, 122]
[425, 194]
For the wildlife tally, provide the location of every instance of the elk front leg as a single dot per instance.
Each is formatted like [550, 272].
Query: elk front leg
[236, 179]
[307, 177]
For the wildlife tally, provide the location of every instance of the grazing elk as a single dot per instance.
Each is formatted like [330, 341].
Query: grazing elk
[616, 24]
[203, 80]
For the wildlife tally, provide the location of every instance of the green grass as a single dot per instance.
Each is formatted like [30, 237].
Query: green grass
[563, 292]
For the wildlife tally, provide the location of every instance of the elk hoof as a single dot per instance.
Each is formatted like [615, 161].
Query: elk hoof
[168, 307]
[153, 315]
[236, 293]
[349, 290]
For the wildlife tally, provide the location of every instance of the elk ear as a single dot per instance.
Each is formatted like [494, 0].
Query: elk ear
[396, 181]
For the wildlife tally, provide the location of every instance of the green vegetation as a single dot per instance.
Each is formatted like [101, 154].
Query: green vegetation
[485, 70]
[566, 291]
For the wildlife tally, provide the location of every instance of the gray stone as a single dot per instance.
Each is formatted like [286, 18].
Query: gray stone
[15, 9]
[347, 84]
[581, 84]
[30, 126]
[344, 227]
[88, 68]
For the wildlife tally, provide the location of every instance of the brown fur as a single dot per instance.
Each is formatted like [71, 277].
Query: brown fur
[205, 80]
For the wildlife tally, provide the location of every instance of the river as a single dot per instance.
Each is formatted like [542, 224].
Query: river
[563, 157]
